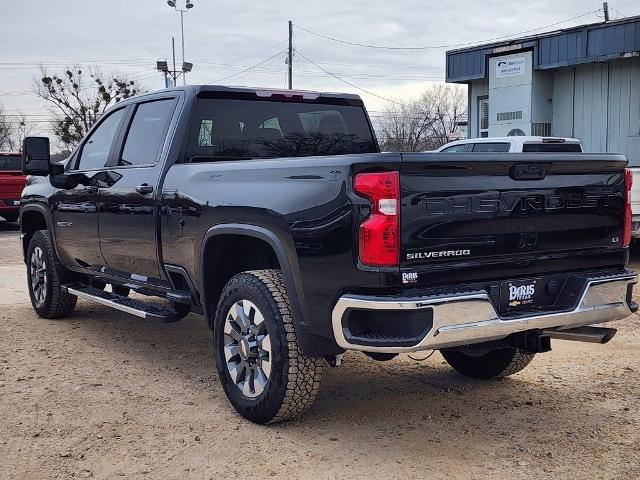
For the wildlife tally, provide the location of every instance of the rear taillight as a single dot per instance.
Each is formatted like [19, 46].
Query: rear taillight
[628, 181]
[380, 233]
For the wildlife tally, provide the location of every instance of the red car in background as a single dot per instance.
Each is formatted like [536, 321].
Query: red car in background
[11, 185]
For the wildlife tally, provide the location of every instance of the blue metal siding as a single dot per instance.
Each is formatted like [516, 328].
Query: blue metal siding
[465, 65]
[570, 47]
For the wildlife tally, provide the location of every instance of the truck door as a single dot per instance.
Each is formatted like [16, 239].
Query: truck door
[75, 212]
[128, 203]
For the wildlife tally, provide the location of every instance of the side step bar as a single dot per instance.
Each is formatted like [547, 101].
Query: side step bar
[584, 334]
[125, 304]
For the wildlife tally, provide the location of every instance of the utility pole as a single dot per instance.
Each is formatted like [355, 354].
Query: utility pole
[173, 49]
[184, 77]
[290, 58]
[163, 66]
[605, 9]
[186, 66]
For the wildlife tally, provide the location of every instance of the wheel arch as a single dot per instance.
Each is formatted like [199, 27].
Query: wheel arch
[32, 219]
[212, 277]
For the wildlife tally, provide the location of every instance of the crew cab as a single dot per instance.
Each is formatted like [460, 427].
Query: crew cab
[514, 144]
[274, 215]
[11, 185]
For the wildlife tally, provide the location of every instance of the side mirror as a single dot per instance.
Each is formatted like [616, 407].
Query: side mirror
[36, 156]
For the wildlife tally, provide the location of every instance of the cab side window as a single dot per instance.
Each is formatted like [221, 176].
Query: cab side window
[95, 151]
[147, 132]
[487, 147]
[456, 148]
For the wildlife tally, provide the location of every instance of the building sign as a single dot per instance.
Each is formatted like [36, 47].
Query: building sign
[510, 67]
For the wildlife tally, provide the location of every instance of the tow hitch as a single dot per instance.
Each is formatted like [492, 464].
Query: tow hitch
[535, 341]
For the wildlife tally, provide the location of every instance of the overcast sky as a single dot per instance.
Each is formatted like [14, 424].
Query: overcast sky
[224, 37]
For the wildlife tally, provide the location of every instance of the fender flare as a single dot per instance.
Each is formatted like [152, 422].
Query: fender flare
[289, 267]
[46, 213]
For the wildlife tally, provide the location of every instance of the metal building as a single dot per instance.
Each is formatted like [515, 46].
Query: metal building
[580, 82]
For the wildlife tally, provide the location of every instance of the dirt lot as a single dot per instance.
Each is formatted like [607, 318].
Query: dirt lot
[106, 395]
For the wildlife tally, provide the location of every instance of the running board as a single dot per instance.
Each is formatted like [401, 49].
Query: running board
[124, 304]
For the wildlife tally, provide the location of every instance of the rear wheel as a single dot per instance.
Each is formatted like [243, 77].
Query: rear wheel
[487, 364]
[259, 363]
[45, 289]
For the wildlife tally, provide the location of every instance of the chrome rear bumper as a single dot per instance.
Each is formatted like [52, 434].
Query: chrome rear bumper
[470, 317]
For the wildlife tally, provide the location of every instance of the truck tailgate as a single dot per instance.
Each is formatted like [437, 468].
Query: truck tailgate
[526, 213]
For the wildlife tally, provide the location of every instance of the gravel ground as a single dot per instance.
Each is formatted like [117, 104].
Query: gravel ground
[105, 395]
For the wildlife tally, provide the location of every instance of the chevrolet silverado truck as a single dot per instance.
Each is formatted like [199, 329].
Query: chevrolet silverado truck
[11, 185]
[274, 215]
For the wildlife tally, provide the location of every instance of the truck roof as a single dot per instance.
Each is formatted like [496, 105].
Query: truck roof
[517, 139]
[260, 91]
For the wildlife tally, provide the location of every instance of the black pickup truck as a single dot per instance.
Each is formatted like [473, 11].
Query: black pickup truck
[275, 216]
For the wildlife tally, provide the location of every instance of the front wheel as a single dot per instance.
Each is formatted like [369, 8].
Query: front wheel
[45, 290]
[259, 363]
[487, 364]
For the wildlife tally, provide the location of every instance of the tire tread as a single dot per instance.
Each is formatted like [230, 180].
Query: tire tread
[304, 373]
[62, 303]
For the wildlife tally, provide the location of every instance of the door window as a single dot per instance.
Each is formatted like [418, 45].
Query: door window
[147, 133]
[456, 148]
[95, 151]
[491, 147]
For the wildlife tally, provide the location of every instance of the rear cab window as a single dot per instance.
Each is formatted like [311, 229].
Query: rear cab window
[10, 163]
[552, 147]
[237, 129]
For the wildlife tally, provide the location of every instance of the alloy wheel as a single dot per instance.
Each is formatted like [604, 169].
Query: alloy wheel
[247, 348]
[38, 273]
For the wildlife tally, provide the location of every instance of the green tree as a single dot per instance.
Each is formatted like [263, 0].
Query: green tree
[78, 100]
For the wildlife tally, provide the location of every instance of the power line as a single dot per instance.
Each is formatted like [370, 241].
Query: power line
[249, 68]
[347, 82]
[386, 47]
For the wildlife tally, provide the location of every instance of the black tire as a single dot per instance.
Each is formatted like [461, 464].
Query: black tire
[488, 364]
[49, 301]
[10, 217]
[294, 379]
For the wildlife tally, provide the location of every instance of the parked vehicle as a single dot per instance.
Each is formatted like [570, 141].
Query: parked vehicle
[11, 185]
[274, 215]
[516, 144]
[635, 203]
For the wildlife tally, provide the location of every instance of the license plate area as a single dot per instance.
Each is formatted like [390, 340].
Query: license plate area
[524, 294]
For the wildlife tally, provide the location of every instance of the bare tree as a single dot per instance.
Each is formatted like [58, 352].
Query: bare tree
[77, 101]
[403, 127]
[13, 129]
[447, 105]
[425, 123]
[6, 131]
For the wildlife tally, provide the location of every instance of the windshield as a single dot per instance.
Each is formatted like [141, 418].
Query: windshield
[230, 129]
[11, 162]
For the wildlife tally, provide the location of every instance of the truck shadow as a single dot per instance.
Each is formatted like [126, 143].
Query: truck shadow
[423, 398]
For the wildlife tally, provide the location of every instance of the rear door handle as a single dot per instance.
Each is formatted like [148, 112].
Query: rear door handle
[144, 189]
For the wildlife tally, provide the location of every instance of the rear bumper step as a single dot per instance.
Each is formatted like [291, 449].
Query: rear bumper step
[469, 318]
[124, 304]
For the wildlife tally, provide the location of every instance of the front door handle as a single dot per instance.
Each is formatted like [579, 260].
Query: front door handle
[144, 189]
[90, 189]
